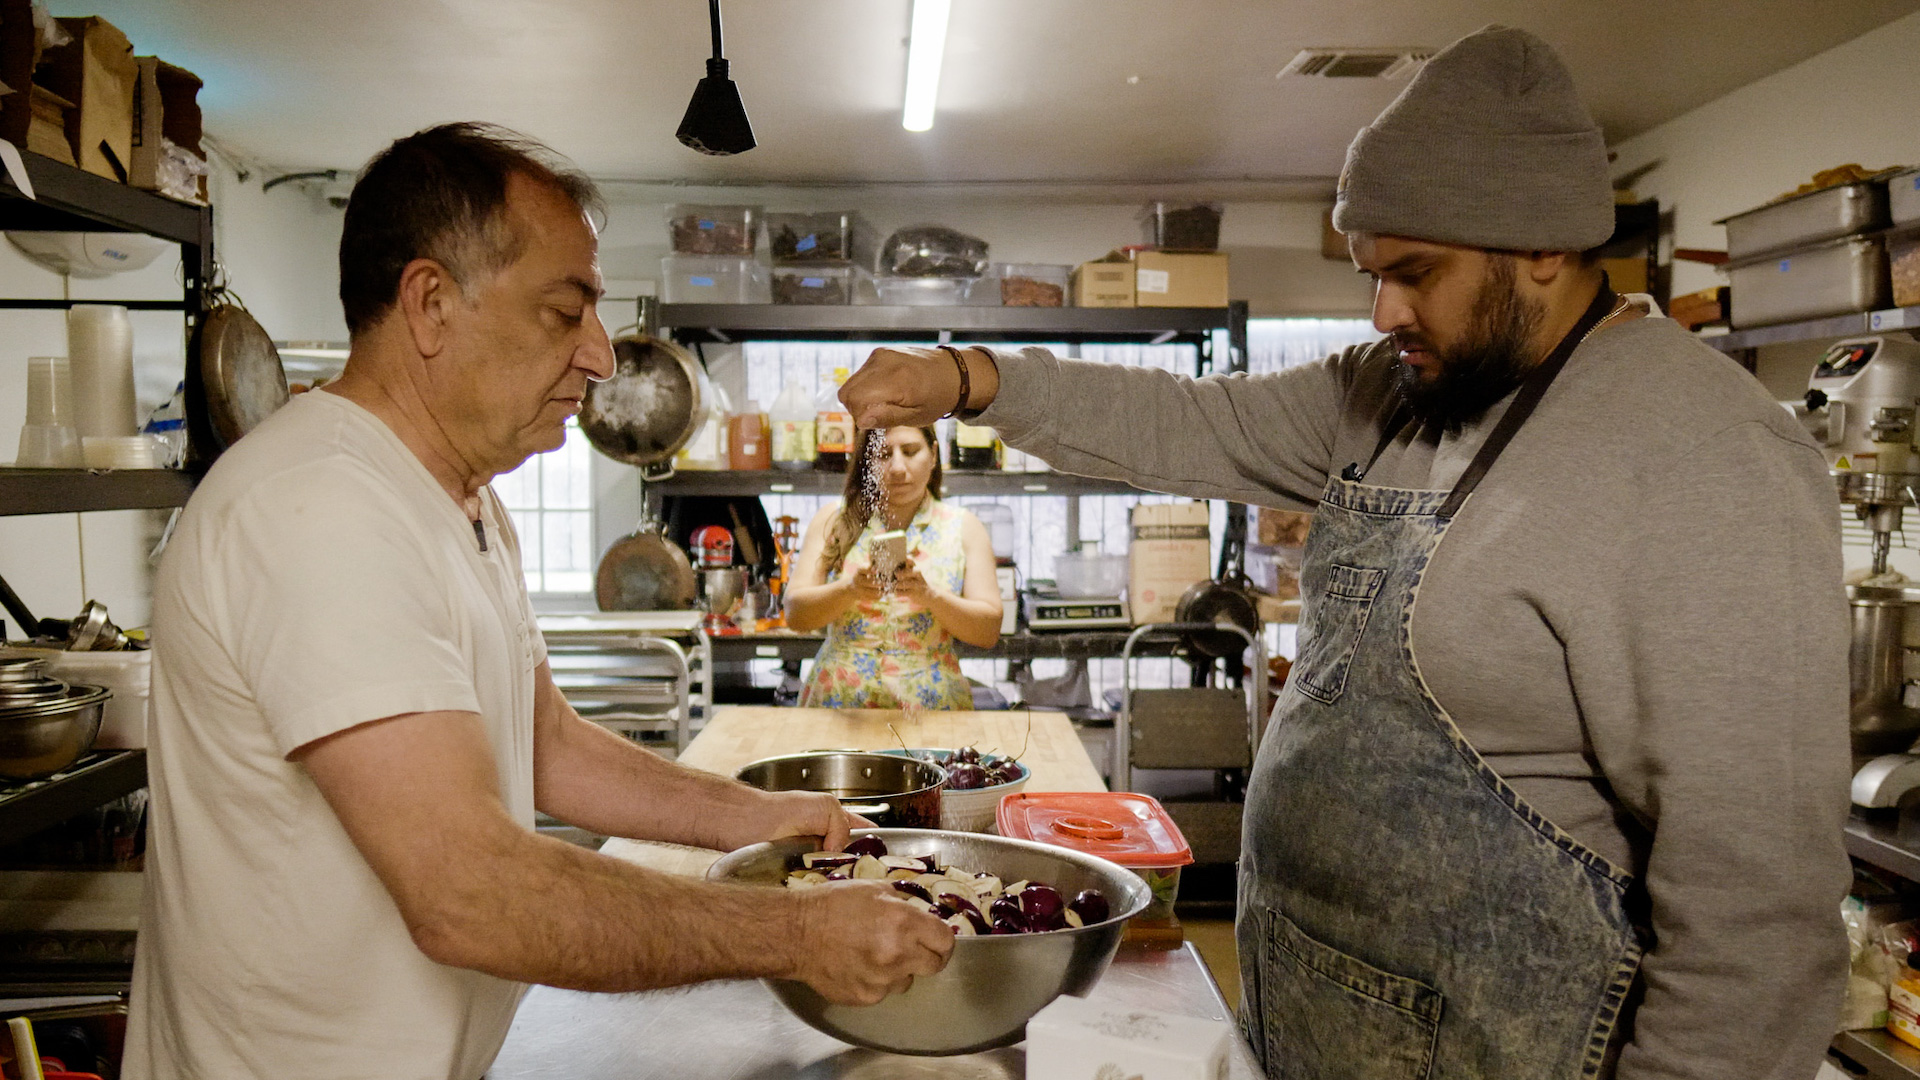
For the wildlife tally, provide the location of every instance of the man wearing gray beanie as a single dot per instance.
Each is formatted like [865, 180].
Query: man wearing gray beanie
[1555, 786]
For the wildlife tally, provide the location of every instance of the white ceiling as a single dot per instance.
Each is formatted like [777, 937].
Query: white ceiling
[1033, 90]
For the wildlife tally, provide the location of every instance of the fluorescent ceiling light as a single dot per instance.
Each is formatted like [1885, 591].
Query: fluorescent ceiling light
[924, 50]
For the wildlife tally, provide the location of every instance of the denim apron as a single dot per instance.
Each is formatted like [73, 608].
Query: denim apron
[1403, 912]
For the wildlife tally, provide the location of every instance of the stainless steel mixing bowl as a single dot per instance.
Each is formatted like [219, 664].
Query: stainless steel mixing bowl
[40, 740]
[992, 985]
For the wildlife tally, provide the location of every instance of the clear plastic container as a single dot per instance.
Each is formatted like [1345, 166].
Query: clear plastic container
[1175, 226]
[1120, 826]
[998, 518]
[819, 236]
[1033, 284]
[927, 291]
[1903, 257]
[1086, 573]
[796, 284]
[711, 279]
[792, 420]
[712, 230]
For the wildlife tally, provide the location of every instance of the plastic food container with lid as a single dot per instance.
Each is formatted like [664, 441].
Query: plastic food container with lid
[1119, 826]
[713, 230]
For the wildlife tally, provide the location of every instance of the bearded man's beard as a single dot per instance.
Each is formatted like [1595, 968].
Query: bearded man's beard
[1486, 365]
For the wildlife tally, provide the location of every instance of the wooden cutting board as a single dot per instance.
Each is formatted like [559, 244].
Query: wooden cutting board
[741, 735]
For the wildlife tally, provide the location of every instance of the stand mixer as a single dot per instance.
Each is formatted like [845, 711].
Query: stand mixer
[722, 584]
[1861, 406]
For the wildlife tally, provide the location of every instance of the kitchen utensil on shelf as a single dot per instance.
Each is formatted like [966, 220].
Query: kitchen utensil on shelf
[240, 372]
[45, 724]
[897, 792]
[992, 983]
[49, 439]
[653, 403]
[645, 571]
[116, 452]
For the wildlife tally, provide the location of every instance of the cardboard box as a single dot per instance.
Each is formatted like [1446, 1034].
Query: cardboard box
[47, 131]
[1626, 275]
[1169, 279]
[167, 156]
[1103, 284]
[1169, 553]
[96, 72]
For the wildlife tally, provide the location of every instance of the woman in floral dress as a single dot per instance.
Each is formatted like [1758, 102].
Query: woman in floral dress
[890, 645]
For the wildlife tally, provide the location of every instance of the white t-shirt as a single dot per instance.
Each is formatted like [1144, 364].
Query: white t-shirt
[319, 579]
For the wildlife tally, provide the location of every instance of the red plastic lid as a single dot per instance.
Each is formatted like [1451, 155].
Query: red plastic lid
[1130, 829]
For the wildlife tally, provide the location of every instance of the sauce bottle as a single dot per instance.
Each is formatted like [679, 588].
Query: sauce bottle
[749, 443]
[832, 427]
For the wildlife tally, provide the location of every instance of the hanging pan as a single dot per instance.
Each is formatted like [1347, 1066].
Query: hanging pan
[651, 406]
[239, 371]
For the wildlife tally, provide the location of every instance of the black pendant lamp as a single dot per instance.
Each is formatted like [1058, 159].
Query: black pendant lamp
[716, 122]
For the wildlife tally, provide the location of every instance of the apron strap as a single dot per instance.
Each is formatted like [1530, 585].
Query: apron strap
[1531, 391]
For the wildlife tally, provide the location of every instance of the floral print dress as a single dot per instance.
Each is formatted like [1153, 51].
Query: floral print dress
[889, 652]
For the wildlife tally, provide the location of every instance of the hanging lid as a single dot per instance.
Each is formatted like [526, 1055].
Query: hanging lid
[1120, 826]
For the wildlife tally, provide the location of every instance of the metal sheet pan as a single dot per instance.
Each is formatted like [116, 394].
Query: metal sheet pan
[1842, 210]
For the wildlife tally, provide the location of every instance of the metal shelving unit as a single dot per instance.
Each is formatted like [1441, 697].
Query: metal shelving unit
[692, 323]
[1838, 326]
[1878, 843]
[98, 777]
[66, 199]
[956, 482]
[70, 491]
[1882, 1056]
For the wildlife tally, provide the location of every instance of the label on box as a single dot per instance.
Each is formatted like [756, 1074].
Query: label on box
[1153, 281]
[793, 440]
[701, 281]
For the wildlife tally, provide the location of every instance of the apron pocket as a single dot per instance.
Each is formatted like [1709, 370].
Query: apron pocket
[1339, 616]
[1329, 1016]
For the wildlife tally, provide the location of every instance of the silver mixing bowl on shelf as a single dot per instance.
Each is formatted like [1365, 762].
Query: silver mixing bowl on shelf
[993, 984]
[45, 724]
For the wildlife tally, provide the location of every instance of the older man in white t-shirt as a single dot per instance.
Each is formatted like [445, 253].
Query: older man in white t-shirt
[353, 717]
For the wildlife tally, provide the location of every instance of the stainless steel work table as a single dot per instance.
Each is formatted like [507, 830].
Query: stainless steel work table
[739, 1031]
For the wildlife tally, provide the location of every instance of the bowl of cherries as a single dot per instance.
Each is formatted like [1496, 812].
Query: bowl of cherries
[975, 782]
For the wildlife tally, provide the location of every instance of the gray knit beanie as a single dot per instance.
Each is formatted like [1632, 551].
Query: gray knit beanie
[1488, 146]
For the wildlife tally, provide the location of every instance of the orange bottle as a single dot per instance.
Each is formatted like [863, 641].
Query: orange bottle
[749, 439]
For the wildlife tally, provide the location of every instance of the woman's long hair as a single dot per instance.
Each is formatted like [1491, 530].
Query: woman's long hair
[859, 503]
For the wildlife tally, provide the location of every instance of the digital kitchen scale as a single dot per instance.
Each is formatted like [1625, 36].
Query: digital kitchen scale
[1047, 610]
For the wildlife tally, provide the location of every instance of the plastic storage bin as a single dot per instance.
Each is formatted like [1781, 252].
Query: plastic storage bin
[711, 279]
[1120, 826]
[813, 284]
[1832, 278]
[1033, 284]
[822, 236]
[1903, 197]
[1903, 260]
[928, 291]
[712, 230]
[1172, 226]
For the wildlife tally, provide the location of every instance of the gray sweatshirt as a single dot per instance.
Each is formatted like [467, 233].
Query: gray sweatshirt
[1637, 619]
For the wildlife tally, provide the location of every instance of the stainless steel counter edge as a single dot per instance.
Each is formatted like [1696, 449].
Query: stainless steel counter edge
[738, 1030]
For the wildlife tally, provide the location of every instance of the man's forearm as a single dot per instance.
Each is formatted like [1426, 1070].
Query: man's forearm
[534, 909]
[588, 776]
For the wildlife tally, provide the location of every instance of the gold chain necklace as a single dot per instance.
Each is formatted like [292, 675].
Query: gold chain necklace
[1619, 306]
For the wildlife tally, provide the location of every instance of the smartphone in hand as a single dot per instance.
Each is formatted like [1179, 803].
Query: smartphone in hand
[886, 552]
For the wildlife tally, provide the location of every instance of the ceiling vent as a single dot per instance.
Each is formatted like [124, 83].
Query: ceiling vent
[1356, 63]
